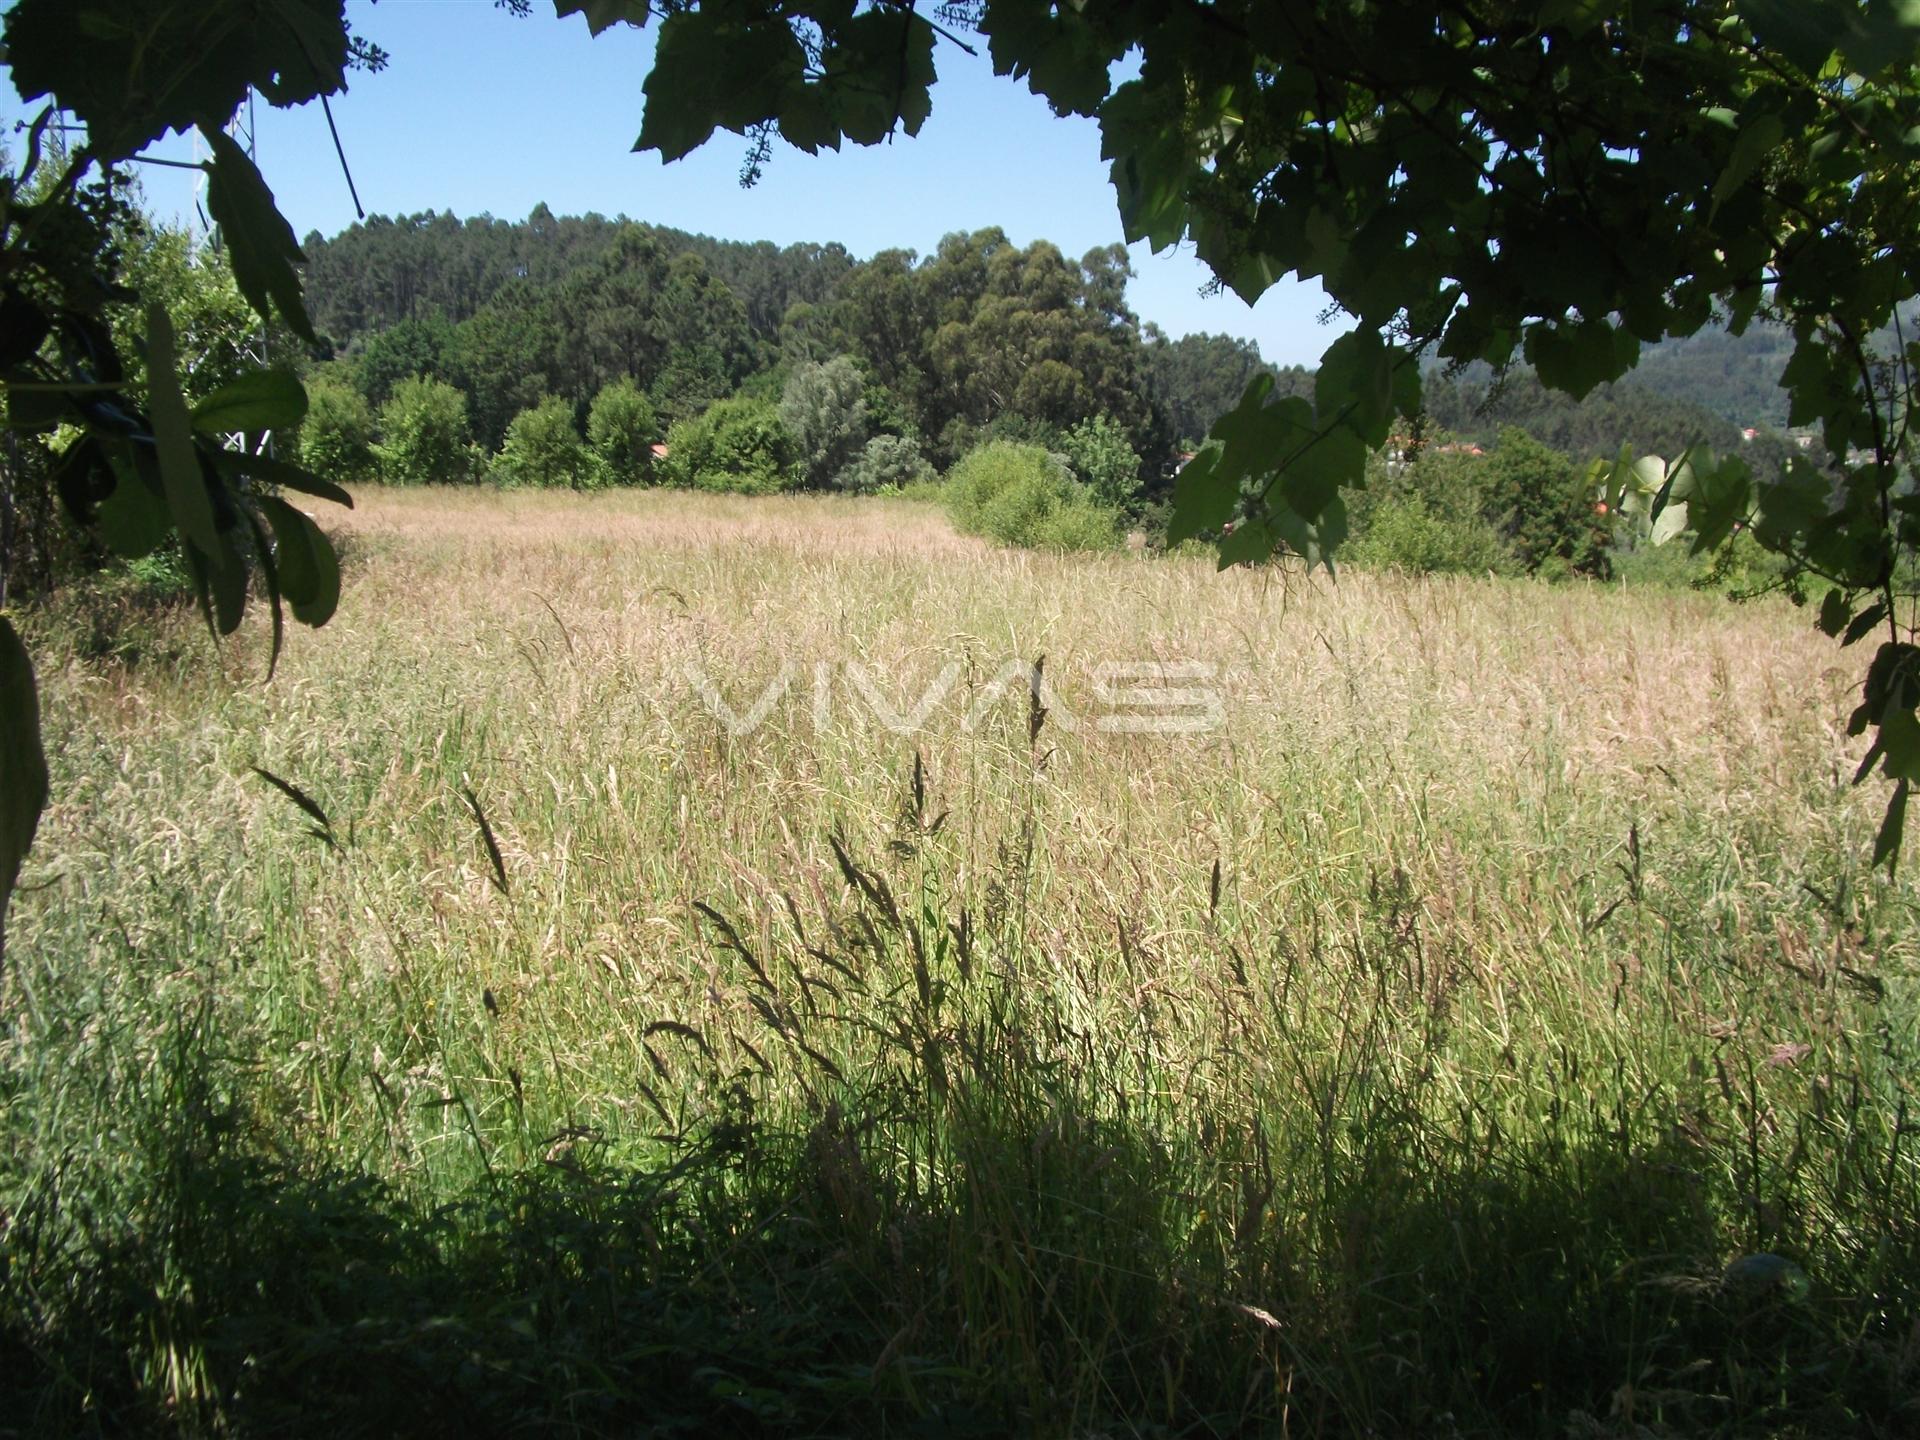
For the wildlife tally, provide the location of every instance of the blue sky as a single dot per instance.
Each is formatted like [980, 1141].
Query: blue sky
[481, 112]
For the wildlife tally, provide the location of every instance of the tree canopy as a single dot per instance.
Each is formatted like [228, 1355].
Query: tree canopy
[1477, 180]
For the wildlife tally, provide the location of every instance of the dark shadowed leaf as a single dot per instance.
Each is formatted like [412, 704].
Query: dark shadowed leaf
[23, 765]
[180, 473]
[604, 14]
[259, 241]
[267, 470]
[258, 400]
[309, 571]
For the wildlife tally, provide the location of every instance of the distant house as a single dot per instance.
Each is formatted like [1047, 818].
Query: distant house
[1455, 449]
[1749, 434]
[659, 451]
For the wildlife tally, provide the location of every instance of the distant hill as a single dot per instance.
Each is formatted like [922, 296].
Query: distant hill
[1652, 422]
[1736, 377]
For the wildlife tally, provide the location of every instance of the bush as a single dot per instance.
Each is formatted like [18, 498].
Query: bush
[736, 445]
[1022, 495]
[889, 462]
[1104, 461]
[1540, 501]
[824, 411]
[1402, 533]
[621, 430]
[543, 450]
[336, 438]
[424, 435]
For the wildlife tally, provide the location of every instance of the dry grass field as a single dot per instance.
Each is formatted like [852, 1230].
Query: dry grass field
[1424, 1035]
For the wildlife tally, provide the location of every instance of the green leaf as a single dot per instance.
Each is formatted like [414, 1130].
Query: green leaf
[267, 470]
[1757, 139]
[1355, 385]
[309, 571]
[1302, 463]
[1719, 497]
[260, 243]
[878, 72]
[270, 582]
[1056, 50]
[1249, 542]
[133, 519]
[712, 71]
[1863, 623]
[805, 122]
[220, 584]
[1203, 498]
[180, 473]
[1670, 523]
[605, 14]
[1576, 356]
[1886, 844]
[1310, 480]
[23, 764]
[1142, 133]
[1881, 35]
[1803, 31]
[257, 400]
[132, 70]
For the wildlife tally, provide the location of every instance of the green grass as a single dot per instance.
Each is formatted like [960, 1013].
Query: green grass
[1411, 1055]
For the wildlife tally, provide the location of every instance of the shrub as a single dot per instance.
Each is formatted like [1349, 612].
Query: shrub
[735, 445]
[1540, 501]
[543, 450]
[336, 438]
[1022, 495]
[424, 435]
[622, 429]
[824, 411]
[889, 462]
[1104, 461]
[1403, 533]
[1079, 525]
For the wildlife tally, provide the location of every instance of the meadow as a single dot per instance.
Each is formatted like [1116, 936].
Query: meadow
[1478, 1018]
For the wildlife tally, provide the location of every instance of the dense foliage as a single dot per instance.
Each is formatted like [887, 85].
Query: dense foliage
[1023, 495]
[736, 445]
[336, 438]
[622, 429]
[543, 450]
[424, 437]
[824, 411]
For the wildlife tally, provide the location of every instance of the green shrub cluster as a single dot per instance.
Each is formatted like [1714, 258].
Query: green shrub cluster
[336, 438]
[621, 430]
[1104, 460]
[887, 462]
[424, 435]
[1405, 533]
[1520, 508]
[736, 445]
[544, 451]
[1024, 495]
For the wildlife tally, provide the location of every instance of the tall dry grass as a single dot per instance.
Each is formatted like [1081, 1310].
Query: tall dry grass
[1414, 1049]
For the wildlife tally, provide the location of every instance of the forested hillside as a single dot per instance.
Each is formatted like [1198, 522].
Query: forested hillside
[982, 337]
[980, 340]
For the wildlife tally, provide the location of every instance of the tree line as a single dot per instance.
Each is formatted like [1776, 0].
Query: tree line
[981, 339]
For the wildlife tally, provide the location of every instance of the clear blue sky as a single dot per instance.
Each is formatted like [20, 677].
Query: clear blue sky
[481, 112]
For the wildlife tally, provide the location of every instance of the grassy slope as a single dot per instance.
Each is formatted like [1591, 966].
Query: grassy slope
[1410, 1054]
